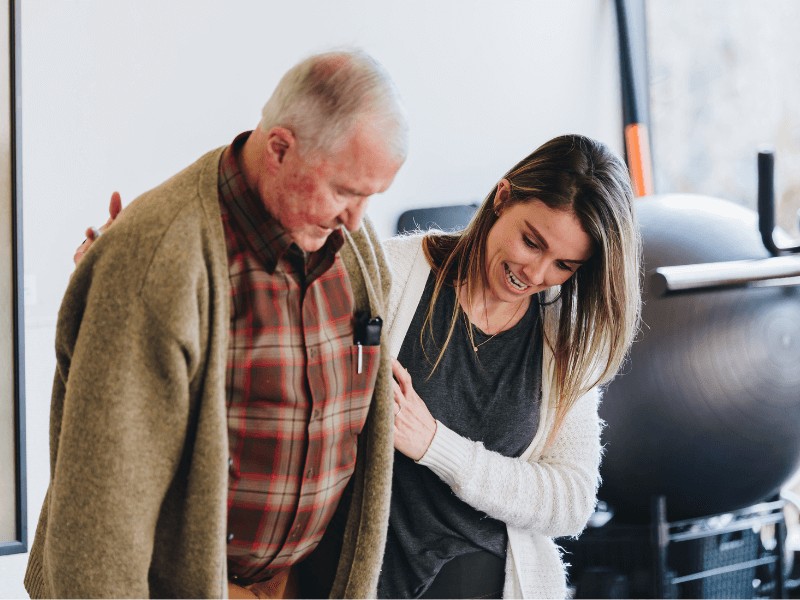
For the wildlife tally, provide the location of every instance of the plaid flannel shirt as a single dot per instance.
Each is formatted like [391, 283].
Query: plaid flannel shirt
[295, 400]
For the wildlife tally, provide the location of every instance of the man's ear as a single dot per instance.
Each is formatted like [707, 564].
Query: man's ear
[279, 141]
[501, 196]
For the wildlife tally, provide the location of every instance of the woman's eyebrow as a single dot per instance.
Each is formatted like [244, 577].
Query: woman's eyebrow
[539, 237]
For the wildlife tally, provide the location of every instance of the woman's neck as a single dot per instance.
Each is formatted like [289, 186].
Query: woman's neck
[489, 314]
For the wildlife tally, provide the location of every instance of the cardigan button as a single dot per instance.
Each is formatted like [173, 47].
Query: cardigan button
[230, 537]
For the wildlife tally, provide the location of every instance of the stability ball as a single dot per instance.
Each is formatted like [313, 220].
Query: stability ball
[707, 410]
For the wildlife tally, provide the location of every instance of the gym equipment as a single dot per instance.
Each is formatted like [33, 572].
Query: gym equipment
[707, 413]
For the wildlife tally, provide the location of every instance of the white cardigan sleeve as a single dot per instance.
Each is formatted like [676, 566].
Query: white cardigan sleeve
[553, 495]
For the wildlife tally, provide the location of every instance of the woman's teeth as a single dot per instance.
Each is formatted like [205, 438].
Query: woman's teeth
[516, 283]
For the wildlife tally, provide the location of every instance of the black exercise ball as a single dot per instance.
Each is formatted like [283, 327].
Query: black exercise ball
[707, 410]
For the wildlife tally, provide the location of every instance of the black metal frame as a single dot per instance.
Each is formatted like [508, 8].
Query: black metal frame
[20, 544]
[718, 555]
[665, 533]
[766, 205]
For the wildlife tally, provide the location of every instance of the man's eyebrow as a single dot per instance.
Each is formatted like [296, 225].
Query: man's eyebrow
[543, 243]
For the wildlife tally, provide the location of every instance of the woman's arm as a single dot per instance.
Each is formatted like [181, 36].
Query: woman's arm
[92, 233]
[553, 495]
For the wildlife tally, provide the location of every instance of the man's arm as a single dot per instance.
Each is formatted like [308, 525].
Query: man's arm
[119, 433]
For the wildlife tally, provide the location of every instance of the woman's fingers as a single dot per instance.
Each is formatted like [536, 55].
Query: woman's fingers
[92, 233]
[398, 391]
[402, 376]
[81, 250]
[114, 206]
[398, 397]
[398, 371]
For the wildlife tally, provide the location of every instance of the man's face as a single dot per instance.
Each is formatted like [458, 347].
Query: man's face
[311, 196]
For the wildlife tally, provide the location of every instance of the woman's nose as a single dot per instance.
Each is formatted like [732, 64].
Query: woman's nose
[535, 272]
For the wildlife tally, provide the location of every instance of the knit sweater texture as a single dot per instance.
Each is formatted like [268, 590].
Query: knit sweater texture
[548, 492]
[136, 505]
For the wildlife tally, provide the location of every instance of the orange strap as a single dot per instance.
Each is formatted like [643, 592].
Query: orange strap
[637, 144]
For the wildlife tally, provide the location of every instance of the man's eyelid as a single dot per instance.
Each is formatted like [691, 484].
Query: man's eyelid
[350, 192]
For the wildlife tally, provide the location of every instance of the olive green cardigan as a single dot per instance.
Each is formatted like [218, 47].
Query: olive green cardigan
[138, 435]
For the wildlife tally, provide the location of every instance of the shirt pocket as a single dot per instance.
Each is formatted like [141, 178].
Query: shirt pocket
[362, 384]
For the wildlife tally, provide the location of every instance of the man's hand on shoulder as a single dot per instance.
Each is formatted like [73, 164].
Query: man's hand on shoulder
[92, 233]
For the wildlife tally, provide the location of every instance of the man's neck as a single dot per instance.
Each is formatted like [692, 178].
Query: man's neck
[251, 163]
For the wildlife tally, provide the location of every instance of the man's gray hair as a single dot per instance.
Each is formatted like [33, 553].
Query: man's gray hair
[323, 97]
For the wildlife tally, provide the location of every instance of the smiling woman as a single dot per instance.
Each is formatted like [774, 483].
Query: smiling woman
[503, 332]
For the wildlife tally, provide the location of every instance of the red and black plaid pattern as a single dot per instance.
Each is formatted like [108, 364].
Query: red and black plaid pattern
[295, 401]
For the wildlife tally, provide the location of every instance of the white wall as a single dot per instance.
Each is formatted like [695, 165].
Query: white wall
[120, 94]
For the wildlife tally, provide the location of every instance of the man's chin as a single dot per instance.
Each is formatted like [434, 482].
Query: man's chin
[309, 243]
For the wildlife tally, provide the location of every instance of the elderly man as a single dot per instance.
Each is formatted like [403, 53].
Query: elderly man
[222, 396]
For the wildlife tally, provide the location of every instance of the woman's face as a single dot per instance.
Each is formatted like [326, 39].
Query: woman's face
[532, 247]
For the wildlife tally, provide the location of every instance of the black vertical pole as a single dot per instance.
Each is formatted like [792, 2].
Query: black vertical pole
[659, 542]
[634, 83]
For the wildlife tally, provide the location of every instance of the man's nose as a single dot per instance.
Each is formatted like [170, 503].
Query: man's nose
[352, 217]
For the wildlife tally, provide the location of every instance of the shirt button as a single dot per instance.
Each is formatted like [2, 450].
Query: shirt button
[230, 463]
[230, 537]
[310, 473]
[316, 414]
[312, 352]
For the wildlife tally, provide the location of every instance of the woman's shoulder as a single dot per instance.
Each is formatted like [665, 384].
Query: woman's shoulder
[403, 242]
[402, 252]
[409, 273]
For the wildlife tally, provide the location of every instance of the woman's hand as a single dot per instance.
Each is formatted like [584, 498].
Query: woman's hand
[414, 426]
[114, 208]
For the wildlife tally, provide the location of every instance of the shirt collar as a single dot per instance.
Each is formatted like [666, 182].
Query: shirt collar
[265, 236]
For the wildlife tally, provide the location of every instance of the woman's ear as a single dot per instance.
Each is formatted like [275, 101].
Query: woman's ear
[501, 196]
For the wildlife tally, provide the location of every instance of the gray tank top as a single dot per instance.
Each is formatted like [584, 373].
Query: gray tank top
[492, 397]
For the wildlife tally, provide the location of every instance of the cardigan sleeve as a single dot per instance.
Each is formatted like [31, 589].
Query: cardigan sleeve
[553, 495]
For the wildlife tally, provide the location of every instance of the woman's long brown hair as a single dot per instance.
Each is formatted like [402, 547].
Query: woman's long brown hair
[591, 321]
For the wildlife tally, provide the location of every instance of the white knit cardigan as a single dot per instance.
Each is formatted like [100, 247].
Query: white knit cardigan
[539, 496]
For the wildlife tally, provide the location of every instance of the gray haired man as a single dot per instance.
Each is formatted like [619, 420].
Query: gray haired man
[218, 406]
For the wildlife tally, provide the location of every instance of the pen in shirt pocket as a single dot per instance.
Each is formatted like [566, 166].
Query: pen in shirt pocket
[366, 332]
